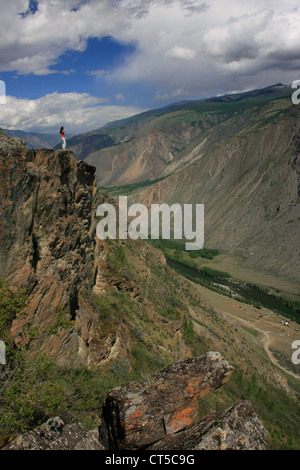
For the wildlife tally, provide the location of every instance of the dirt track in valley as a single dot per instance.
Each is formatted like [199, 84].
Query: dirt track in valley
[271, 330]
[266, 340]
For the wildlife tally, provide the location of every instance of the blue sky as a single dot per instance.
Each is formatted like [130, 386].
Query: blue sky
[85, 63]
[80, 71]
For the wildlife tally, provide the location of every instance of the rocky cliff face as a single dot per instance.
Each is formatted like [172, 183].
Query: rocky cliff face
[84, 304]
[48, 247]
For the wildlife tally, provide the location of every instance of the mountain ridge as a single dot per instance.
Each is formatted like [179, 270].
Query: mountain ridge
[35, 139]
[144, 145]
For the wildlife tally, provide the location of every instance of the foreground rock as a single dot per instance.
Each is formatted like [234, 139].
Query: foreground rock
[159, 415]
[142, 413]
[55, 435]
[236, 428]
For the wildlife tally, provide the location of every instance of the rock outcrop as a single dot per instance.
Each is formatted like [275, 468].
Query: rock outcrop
[160, 414]
[48, 246]
[141, 413]
[55, 435]
[236, 428]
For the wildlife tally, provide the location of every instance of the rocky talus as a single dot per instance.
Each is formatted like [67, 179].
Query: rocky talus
[160, 414]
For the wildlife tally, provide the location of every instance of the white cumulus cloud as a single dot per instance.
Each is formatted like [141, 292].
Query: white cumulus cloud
[226, 45]
[77, 112]
[179, 52]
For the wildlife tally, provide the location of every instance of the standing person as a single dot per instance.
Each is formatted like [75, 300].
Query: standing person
[62, 133]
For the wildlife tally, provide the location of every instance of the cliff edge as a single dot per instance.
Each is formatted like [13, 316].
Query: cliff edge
[48, 246]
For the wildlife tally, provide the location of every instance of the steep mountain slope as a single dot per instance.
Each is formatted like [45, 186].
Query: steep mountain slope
[250, 185]
[144, 146]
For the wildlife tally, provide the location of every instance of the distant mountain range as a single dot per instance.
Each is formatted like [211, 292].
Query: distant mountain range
[36, 139]
[93, 141]
[142, 147]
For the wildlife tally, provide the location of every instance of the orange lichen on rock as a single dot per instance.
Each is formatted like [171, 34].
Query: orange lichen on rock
[180, 420]
[150, 412]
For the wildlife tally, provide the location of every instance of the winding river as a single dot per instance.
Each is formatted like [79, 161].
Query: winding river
[242, 290]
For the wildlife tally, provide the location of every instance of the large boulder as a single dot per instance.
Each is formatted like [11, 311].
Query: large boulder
[236, 428]
[141, 413]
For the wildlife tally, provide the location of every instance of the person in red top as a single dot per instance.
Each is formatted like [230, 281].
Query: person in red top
[62, 133]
